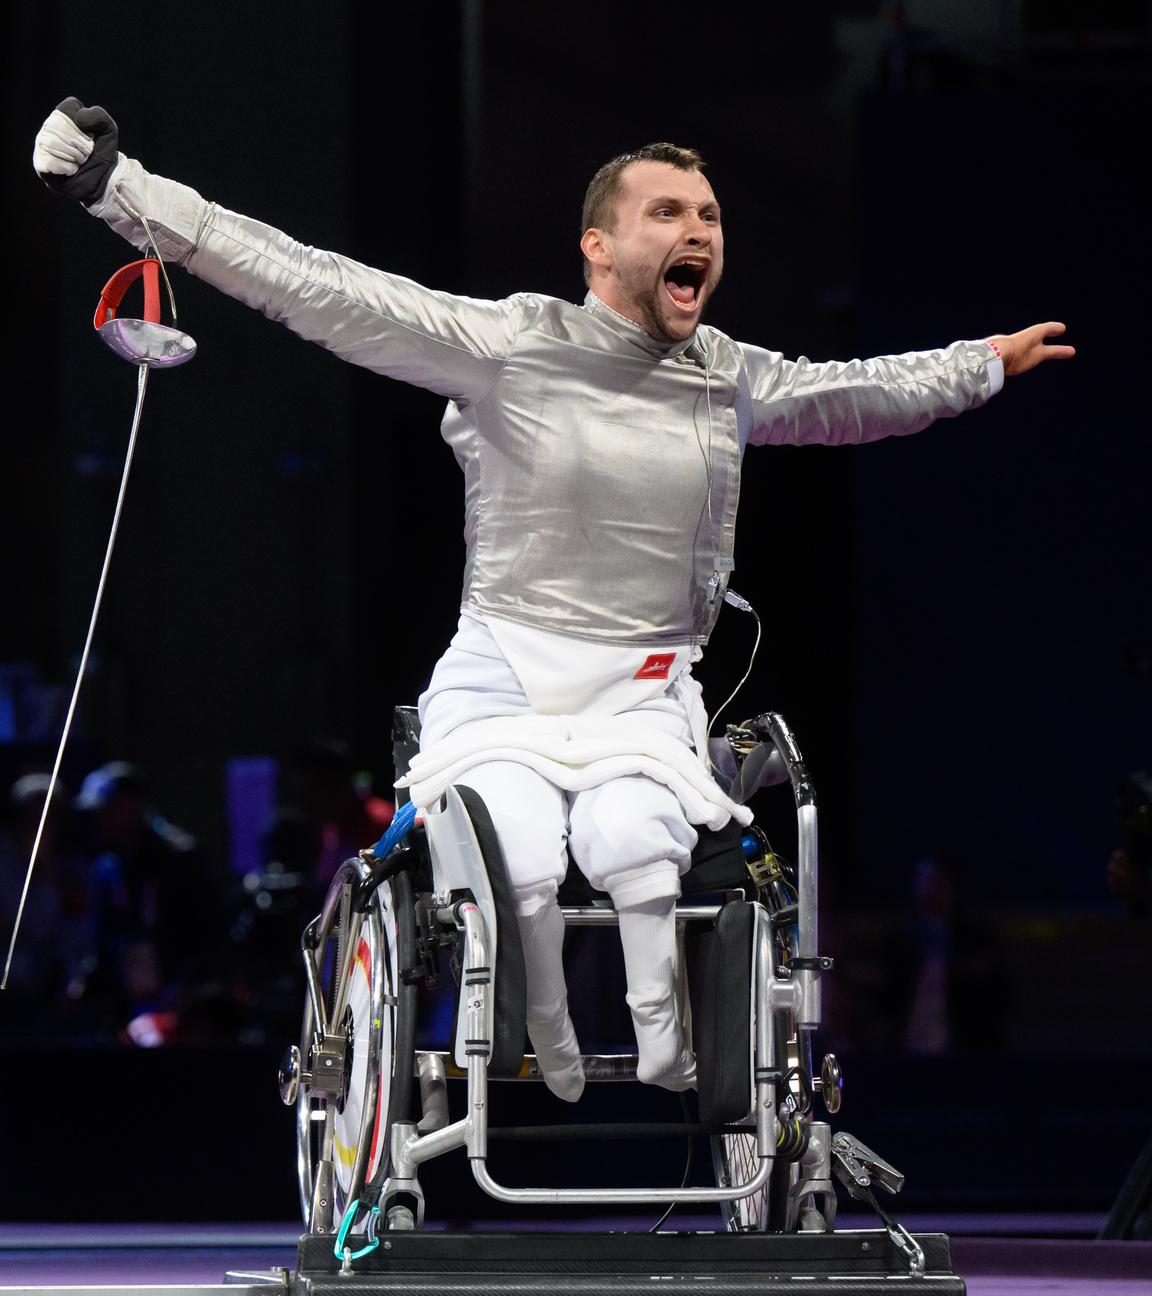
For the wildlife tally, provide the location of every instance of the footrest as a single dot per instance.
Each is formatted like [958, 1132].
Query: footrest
[734, 1264]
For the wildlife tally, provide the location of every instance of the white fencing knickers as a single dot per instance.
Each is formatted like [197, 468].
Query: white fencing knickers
[629, 837]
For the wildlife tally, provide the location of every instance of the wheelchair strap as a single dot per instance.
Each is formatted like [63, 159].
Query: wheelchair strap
[398, 829]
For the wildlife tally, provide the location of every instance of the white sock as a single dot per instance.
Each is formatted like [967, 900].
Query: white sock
[549, 1025]
[648, 935]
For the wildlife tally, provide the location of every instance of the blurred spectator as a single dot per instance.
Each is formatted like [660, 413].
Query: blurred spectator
[53, 953]
[155, 918]
[343, 810]
[275, 904]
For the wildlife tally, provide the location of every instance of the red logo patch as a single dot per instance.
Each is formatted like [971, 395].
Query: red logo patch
[656, 666]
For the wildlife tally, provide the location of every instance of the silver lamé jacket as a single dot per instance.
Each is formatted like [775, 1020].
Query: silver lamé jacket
[602, 468]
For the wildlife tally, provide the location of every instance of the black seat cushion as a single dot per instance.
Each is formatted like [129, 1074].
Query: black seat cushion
[719, 977]
[717, 865]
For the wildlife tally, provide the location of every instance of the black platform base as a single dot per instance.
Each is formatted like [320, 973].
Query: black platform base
[724, 1264]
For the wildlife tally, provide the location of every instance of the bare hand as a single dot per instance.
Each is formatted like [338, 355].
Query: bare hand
[1025, 350]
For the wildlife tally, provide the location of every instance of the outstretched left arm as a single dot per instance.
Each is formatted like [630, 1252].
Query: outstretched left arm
[1028, 348]
[837, 403]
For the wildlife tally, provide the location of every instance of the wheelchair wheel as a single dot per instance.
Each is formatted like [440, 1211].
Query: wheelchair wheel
[734, 1160]
[357, 1043]
[734, 1157]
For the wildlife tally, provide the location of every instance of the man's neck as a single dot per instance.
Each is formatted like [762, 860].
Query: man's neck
[639, 335]
[619, 314]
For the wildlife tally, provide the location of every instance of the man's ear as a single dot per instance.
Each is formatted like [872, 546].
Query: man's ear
[596, 246]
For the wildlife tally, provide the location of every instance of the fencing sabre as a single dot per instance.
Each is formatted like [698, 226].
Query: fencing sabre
[148, 344]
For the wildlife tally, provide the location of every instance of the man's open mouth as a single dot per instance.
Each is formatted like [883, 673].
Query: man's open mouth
[685, 281]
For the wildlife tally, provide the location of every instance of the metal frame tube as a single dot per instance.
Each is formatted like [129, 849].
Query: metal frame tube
[763, 969]
[808, 945]
[595, 916]
[472, 1130]
[477, 956]
[765, 1112]
[315, 994]
[808, 1011]
[599, 1068]
[617, 1196]
[432, 1074]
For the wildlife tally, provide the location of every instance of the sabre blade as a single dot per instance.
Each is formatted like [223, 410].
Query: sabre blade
[141, 387]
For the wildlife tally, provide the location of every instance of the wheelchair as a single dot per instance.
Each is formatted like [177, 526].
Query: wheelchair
[372, 1107]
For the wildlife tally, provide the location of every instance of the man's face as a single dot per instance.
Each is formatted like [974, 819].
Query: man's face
[663, 258]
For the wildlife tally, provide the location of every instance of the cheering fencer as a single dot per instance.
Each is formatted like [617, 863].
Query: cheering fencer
[601, 448]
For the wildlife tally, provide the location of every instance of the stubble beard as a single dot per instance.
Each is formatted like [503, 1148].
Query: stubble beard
[644, 307]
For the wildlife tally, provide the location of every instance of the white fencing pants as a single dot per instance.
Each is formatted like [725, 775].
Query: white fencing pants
[630, 838]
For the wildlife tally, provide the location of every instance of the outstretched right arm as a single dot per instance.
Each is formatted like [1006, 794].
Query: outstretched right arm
[454, 346]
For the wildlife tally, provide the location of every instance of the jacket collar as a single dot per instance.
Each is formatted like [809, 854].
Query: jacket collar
[633, 333]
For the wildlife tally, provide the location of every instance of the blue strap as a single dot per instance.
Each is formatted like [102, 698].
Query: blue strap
[398, 829]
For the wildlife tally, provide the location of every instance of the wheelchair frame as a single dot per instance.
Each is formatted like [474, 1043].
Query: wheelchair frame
[358, 1150]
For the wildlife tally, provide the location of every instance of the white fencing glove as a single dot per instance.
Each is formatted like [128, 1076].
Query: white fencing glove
[76, 150]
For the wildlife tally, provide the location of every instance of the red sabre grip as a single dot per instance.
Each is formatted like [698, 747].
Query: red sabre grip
[121, 281]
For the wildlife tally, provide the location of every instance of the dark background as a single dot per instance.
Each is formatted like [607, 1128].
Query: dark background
[955, 623]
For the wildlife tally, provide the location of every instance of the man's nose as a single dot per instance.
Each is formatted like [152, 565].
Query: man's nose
[699, 232]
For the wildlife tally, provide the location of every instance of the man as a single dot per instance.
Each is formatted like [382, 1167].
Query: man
[601, 448]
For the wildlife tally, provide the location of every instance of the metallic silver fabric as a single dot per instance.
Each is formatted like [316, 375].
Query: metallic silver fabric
[602, 468]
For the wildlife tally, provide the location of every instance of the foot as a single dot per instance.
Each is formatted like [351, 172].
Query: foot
[664, 1058]
[678, 1074]
[558, 1053]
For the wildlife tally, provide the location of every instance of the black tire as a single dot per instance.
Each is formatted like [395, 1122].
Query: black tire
[359, 960]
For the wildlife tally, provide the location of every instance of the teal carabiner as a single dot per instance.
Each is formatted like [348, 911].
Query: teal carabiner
[343, 1253]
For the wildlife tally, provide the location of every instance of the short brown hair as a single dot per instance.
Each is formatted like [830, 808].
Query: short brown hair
[600, 197]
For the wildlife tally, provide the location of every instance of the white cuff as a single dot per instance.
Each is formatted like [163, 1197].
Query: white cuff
[175, 212]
